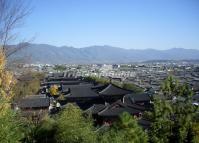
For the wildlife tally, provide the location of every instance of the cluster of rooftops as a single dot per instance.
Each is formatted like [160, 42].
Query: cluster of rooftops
[105, 102]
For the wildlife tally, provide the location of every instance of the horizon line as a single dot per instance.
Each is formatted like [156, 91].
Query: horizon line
[106, 45]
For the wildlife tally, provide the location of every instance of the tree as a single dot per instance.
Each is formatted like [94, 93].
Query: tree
[169, 87]
[45, 131]
[161, 129]
[195, 130]
[59, 68]
[73, 127]
[12, 14]
[10, 122]
[6, 79]
[125, 130]
[54, 90]
[172, 118]
[27, 84]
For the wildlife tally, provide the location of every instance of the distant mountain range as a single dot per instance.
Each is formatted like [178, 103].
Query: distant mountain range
[48, 54]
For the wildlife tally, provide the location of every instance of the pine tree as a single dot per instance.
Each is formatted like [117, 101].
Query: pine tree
[73, 127]
[161, 129]
[126, 130]
[172, 118]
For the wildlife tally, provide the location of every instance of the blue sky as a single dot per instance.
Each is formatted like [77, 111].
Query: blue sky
[135, 24]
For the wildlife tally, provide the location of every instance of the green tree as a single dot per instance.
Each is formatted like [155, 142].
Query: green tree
[45, 131]
[195, 130]
[60, 68]
[169, 87]
[161, 129]
[172, 118]
[10, 124]
[73, 127]
[126, 130]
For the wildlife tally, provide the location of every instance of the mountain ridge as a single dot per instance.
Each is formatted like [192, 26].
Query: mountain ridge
[49, 54]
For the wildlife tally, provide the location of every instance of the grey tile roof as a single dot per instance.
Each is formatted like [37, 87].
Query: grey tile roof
[82, 91]
[116, 109]
[61, 79]
[136, 98]
[66, 87]
[61, 82]
[34, 102]
[96, 108]
[196, 98]
[112, 89]
[98, 87]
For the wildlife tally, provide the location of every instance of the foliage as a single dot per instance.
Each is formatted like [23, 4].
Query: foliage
[53, 90]
[61, 97]
[171, 88]
[28, 131]
[44, 131]
[125, 130]
[59, 68]
[173, 118]
[10, 123]
[29, 84]
[72, 127]
[195, 132]
[6, 79]
[162, 125]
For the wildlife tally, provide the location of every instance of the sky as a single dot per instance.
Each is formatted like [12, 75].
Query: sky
[130, 24]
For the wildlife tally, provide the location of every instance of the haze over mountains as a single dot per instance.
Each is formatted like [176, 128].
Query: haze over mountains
[48, 54]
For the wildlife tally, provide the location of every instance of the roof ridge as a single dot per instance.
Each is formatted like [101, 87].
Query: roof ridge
[114, 88]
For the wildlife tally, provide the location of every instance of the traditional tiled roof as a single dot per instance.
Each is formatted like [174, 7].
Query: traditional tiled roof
[34, 102]
[136, 98]
[196, 98]
[83, 85]
[98, 87]
[81, 92]
[95, 109]
[138, 107]
[62, 79]
[61, 82]
[116, 109]
[112, 89]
